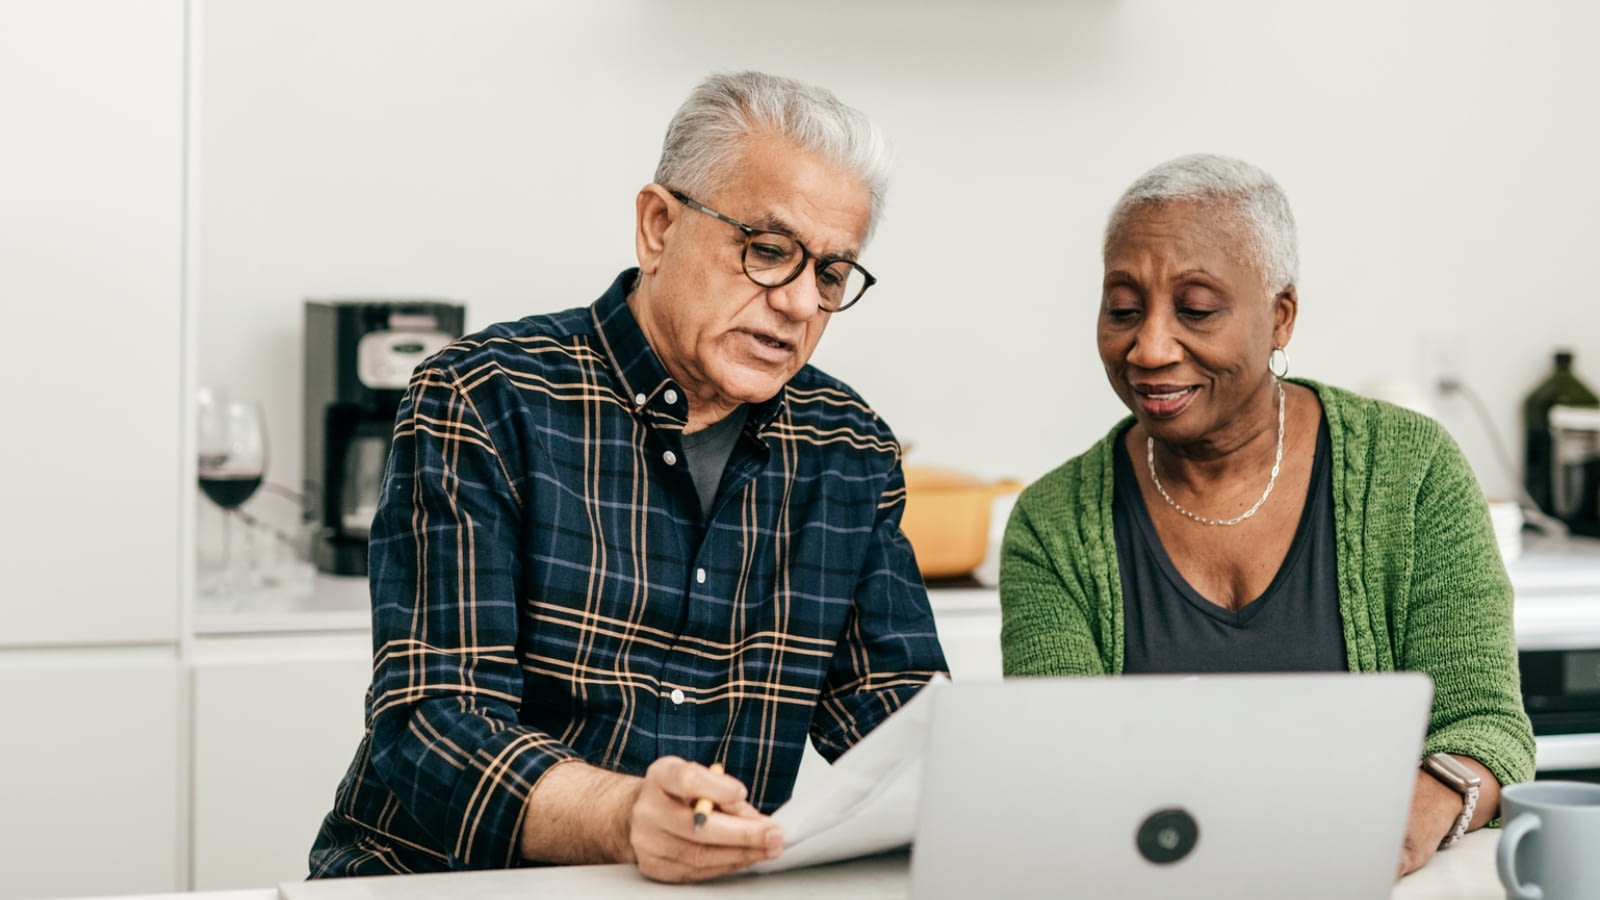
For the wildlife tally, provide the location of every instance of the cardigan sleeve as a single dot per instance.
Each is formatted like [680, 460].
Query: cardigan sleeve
[1054, 583]
[1458, 623]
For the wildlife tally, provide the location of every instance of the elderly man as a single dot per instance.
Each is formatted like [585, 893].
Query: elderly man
[622, 543]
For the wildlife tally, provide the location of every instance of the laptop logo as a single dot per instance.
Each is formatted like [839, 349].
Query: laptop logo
[1167, 835]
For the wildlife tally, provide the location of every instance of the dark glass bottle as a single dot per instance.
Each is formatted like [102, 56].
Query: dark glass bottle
[1562, 388]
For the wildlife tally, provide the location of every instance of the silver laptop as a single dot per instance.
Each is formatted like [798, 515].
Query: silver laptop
[1156, 786]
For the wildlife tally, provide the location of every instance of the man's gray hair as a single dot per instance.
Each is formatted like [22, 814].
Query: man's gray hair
[707, 135]
[1247, 199]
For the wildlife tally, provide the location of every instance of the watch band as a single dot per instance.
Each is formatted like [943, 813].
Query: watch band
[1456, 776]
[1469, 802]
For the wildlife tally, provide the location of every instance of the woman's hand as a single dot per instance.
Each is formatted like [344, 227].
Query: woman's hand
[1434, 809]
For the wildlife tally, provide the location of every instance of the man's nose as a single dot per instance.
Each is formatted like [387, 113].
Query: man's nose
[799, 299]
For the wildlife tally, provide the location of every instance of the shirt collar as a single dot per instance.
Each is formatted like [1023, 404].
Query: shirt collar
[639, 370]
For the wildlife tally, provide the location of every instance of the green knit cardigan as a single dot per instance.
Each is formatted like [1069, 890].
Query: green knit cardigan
[1421, 582]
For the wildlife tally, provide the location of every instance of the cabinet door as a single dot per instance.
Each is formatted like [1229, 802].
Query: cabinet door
[276, 723]
[91, 268]
[92, 773]
[970, 635]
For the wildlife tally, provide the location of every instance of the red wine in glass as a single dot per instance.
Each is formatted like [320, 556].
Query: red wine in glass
[227, 489]
[231, 441]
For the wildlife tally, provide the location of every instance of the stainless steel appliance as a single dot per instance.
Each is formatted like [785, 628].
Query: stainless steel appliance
[1557, 616]
[359, 355]
[1561, 692]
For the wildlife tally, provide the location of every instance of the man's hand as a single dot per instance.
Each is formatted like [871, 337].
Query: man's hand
[666, 844]
[580, 813]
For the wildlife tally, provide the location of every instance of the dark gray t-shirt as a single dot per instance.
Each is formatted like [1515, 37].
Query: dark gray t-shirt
[708, 450]
[1293, 626]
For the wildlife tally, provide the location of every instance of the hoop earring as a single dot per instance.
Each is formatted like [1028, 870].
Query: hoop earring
[1278, 353]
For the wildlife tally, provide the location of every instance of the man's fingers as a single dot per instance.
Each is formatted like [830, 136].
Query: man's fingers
[735, 823]
[723, 829]
[733, 836]
[677, 789]
[678, 859]
[688, 782]
[742, 810]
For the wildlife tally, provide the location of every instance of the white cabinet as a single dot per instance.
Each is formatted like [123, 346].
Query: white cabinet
[90, 773]
[968, 620]
[92, 787]
[276, 722]
[91, 265]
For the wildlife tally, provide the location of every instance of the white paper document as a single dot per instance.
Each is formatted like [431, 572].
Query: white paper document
[866, 802]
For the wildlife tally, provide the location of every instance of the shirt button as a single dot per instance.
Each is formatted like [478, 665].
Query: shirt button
[670, 458]
[671, 396]
[638, 399]
[700, 576]
[677, 696]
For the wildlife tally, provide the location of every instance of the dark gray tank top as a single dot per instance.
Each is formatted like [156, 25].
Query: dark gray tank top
[1294, 625]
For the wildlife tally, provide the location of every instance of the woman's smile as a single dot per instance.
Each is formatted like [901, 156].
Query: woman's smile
[1164, 401]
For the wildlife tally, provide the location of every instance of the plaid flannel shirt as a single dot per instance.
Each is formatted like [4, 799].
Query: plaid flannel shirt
[544, 587]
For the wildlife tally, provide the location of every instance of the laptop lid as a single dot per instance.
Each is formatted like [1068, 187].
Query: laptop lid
[1161, 786]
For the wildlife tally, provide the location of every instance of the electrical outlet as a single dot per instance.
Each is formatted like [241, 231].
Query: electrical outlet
[1442, 355]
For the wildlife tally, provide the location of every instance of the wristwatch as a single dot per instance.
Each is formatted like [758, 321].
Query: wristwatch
[1457, 777]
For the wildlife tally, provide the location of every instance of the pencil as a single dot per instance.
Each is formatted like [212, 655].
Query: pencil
[702, 807]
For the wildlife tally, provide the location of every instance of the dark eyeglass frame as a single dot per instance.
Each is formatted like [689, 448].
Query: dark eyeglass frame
[751, 233]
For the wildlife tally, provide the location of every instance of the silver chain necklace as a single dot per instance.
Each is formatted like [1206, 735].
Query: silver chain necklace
[1277, 463]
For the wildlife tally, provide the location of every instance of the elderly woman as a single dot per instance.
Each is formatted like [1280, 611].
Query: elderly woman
[1243, 521]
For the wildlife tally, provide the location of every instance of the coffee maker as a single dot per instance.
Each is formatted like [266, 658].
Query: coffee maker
[1575, 467]
[359, 356]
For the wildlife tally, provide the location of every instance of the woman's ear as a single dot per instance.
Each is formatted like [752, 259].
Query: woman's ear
[654, 211]
[1284, 308]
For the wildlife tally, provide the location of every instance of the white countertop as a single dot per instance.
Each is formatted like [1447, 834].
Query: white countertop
[1465, 872]
[1557, 588]
[329, 603]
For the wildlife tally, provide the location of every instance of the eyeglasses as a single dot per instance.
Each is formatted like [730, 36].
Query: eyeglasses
[773, 259]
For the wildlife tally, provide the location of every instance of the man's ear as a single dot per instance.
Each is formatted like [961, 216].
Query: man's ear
[654, 213]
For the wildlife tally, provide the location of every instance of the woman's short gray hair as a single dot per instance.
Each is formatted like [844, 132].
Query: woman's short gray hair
[708, 132]
[1251, 200]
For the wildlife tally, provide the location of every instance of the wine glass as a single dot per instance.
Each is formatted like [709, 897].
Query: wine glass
[231, 442]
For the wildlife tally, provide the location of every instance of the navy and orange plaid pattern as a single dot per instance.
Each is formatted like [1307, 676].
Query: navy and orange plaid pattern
[545, 586]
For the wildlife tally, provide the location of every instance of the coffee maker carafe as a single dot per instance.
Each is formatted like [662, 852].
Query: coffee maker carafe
[359, 356]
[1575, 467]
[1561, 467]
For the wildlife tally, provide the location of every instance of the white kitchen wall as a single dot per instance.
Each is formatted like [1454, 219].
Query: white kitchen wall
[1439, 156]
